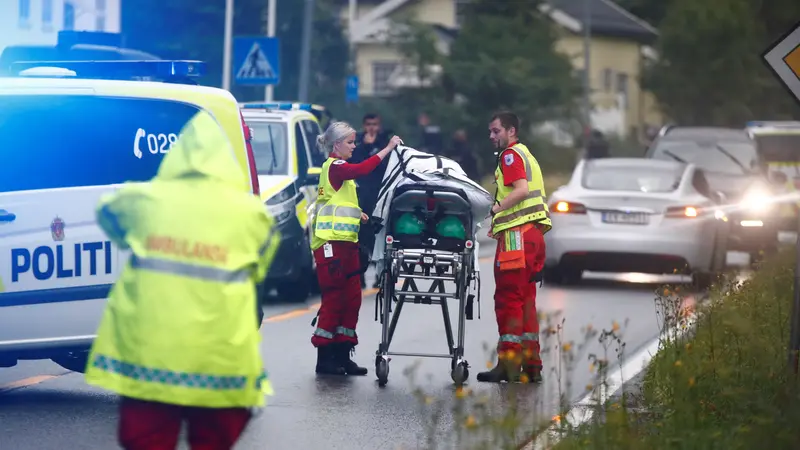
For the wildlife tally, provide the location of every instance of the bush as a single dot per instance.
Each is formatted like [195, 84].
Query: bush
[724, 386]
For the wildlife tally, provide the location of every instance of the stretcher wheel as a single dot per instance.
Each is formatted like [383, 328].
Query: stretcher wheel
[460, 373]
[382, 370]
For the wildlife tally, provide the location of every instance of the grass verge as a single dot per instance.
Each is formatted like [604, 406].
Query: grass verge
[725, 385]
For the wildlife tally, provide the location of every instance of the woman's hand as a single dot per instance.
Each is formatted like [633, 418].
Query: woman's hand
[364, 218]
[393, 142]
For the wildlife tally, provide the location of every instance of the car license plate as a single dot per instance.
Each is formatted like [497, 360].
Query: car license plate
[625, 218]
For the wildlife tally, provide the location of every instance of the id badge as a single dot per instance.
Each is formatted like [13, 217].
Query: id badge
[327, 249]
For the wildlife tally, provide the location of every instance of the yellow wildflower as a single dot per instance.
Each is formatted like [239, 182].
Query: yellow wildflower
[567, 347]
[678, 363]
[615, 326]
[691, 381]
[589, 387]
[470, 422]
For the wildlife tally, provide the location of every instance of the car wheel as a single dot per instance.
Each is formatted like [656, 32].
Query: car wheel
[75, 362]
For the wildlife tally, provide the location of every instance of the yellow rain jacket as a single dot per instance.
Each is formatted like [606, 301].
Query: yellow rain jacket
[180, 326]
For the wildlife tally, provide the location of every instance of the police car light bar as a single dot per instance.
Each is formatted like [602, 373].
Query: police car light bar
[159, 70]
[283, 106]
[773, 124]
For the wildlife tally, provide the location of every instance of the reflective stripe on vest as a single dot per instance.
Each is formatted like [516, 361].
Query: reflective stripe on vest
[183, 269]
[338, 217]
[532, 208]
[172, 378]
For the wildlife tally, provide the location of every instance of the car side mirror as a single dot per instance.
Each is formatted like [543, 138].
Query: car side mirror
[312, 176]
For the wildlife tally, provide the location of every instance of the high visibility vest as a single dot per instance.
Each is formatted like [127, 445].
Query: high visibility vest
[180, 325]
[337, 216]
[531, 209]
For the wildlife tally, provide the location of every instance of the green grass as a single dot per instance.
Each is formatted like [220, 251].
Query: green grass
[725, 387]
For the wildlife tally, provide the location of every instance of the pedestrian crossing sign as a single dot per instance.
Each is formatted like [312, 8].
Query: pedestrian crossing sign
[256, 61]
[783, 57]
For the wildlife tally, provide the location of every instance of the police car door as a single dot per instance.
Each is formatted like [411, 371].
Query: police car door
[315, 156]
[60, 155]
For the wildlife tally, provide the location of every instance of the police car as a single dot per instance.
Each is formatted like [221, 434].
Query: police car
[71, 132]
[288, 162]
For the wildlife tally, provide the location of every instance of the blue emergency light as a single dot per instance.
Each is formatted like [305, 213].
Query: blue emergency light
[283, 106]
[179, 71]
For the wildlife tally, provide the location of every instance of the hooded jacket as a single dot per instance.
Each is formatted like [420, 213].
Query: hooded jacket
[179, 327]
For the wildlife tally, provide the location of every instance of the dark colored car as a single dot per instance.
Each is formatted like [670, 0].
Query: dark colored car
[735, 173]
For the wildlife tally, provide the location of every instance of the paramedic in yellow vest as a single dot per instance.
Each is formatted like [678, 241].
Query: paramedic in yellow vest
[337, 221]
[520, 220]
[179, 338]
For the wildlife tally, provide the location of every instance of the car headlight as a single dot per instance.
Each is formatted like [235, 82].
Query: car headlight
[757, 201]
[282, 205]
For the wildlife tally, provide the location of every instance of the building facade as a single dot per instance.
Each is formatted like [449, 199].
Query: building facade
[37, 22]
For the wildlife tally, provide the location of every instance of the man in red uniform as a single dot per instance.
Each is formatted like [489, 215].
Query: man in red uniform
[337, 258]
[520, 219]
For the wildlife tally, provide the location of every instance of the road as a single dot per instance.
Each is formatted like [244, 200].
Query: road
[43, 407]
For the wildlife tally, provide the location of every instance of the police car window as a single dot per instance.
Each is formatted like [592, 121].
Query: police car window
[312, 130]
[779, 147]
[52, 141]
[270, 148]
[627, 178]
[302, 154]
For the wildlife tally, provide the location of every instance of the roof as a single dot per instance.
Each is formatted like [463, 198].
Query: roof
[606, 17]
[636, 163]
[275, 114]
[706, 133]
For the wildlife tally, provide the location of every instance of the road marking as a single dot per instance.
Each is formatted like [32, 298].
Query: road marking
[27, 382]
[312, 308]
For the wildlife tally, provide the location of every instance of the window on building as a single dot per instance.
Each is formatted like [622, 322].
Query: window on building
[622, 87]
[24, 14]
[47, 15]
[69, 16]
[381, 73]
[99, 15]
[608, 80]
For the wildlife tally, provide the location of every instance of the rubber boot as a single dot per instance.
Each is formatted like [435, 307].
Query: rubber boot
[533, 373]
[345, 349]
[327, 361]
[505, 370]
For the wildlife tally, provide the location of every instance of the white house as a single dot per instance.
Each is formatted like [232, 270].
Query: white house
[37, 22]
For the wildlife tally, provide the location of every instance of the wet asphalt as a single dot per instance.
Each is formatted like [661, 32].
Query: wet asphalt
[43, 407]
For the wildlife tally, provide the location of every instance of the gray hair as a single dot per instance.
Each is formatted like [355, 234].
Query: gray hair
[336, 132]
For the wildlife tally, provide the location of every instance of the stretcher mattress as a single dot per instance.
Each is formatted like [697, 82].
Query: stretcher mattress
[409, 166]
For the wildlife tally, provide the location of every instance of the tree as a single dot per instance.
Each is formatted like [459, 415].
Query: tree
[186, 29]
[710, 70]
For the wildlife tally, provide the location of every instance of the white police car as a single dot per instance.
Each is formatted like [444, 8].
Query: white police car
[68, 136]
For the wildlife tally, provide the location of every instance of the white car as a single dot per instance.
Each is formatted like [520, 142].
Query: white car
[635, 215]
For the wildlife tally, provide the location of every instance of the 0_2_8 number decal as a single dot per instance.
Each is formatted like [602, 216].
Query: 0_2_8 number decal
[156, 143]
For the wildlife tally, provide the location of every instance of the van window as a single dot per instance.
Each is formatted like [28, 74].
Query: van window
[302, 153]
[49, 141]
[312, 130]
[270, 147]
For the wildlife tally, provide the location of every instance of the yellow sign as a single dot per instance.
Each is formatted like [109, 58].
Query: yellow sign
[783, 57]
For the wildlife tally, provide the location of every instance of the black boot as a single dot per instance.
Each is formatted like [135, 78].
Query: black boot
[503, 371]
[350, 367]
[327, 361]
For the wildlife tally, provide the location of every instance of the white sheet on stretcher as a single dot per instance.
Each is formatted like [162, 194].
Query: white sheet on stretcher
[434, 170]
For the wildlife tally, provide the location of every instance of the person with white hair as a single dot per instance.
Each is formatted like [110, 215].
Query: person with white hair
[337, 221]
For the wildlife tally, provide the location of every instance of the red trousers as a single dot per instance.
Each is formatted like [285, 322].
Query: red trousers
[156, 426]
[515, 301]
[340, 285]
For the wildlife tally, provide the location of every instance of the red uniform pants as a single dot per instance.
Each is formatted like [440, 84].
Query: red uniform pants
[156, 426]
[515, 301]
[340, 285]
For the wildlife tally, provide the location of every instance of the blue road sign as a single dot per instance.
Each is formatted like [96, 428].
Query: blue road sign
[256, 60]
[351, 91]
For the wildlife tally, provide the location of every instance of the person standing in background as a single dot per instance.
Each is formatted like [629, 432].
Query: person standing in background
[460, 152]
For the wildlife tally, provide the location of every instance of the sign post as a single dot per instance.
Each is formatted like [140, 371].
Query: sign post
[783, 58]
[256, 61]
[351, 91]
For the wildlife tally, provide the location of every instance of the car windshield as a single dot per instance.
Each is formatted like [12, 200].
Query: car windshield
[638, 178]
[732, 158]
[270, 147]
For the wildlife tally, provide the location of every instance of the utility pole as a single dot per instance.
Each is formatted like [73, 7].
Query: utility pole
[305, 54]
[228, 43]
[271, 13]
[352, 11]
[587, 69]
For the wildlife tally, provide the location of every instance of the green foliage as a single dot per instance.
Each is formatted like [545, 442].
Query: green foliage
[726, 386]
[710, 70]
[185, 29]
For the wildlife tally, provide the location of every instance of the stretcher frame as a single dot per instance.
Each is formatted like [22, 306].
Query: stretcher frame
[429, 263]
